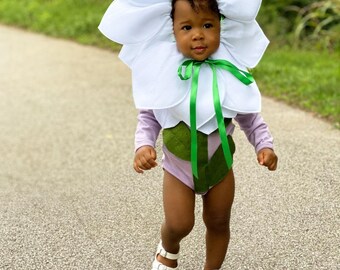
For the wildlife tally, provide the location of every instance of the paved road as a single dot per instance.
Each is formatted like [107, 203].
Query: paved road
[70, 200]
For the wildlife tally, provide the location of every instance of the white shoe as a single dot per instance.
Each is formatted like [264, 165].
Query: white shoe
[156, 265]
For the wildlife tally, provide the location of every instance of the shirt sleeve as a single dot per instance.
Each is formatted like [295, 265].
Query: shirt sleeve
[256, 130]
[147, 130]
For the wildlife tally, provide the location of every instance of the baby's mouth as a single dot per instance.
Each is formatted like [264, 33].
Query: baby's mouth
[199, 49]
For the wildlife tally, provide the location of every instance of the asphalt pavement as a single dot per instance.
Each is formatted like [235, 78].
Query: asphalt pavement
[69, 198]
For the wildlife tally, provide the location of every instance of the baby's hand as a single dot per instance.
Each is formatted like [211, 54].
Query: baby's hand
[266, 157]
[145, 159]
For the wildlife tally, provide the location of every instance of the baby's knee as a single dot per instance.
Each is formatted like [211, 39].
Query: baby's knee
[179, 228]
[217, 223]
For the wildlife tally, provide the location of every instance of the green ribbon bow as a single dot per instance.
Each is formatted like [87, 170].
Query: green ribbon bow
[192, 69]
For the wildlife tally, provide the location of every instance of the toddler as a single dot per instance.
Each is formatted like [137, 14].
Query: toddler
[189, 60]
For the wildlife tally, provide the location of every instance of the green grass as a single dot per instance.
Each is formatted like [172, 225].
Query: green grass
[305, 79]
[71, 19]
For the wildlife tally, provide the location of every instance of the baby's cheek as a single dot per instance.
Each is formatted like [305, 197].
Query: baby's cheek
[217, 43]
[184, 51]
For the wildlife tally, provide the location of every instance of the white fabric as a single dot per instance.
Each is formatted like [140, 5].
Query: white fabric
[149, 49]
[239, 10]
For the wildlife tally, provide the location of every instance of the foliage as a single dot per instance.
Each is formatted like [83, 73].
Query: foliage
[311, 24]
[317, 23]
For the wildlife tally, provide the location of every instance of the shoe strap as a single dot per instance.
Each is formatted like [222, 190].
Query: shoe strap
[161, 251]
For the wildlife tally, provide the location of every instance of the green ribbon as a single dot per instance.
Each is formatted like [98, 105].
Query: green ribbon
[192, 69]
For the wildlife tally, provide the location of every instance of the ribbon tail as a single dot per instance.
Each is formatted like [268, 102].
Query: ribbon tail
[220, 121]
[243, 76]
[193, 130]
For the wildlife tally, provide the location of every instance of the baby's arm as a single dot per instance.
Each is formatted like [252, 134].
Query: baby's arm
[145, 139]
[259, 136]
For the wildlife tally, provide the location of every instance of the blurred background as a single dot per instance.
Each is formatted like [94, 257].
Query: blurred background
[301, 66]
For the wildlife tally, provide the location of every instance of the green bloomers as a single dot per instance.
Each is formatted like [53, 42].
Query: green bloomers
[210, 172]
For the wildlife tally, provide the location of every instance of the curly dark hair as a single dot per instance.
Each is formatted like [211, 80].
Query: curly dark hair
[196, 5]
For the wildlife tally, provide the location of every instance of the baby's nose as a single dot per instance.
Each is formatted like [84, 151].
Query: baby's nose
[198, 35]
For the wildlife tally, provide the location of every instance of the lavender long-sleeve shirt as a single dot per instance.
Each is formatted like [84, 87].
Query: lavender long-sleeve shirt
[252, 124]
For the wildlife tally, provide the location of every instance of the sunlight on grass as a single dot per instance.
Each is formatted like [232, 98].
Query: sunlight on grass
[307, 79]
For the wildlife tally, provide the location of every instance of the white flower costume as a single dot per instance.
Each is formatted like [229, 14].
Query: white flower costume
[164, 94]
[149, 49]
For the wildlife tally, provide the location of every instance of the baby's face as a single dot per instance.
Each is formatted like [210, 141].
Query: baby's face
[197, 34]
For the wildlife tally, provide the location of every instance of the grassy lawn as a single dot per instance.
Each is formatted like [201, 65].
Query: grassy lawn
[71, 19]
[305, 79]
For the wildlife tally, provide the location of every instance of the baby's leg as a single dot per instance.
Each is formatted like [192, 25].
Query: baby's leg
[216, 215]
[179, 204]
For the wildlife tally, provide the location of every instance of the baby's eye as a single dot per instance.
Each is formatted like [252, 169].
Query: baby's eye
[186, 27]
[208, 25]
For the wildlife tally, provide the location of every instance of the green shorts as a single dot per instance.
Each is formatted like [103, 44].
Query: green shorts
[211, 171]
